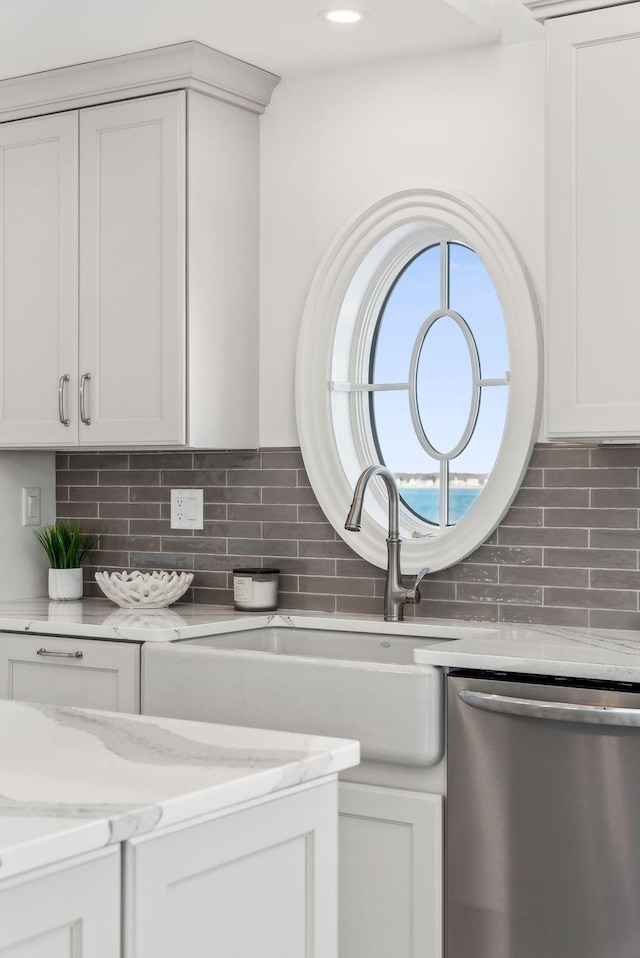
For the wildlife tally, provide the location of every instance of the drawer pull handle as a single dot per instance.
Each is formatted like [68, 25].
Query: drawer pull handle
[60, 655]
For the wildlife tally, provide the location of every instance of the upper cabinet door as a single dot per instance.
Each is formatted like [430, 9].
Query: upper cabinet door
[132, 272]
[593, 278]
[38, 279]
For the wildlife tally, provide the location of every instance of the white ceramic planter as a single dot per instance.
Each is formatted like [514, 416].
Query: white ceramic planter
[65, 583]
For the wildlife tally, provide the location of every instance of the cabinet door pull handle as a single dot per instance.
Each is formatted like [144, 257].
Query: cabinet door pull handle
[63, 379]
[60, 655]
[83, 389]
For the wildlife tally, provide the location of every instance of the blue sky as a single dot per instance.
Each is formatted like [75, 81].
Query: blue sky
[444, 371]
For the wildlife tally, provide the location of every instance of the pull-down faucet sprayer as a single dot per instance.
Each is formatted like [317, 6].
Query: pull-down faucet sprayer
[395, 595]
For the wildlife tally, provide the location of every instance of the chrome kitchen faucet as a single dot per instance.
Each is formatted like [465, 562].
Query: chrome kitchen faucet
[395, 595]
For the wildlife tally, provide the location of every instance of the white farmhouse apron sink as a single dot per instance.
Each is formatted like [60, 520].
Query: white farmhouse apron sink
[321, 682]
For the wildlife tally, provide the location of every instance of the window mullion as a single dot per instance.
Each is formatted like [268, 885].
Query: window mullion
[444, 275]
[342, 387]
[493, 382]
[444, 493]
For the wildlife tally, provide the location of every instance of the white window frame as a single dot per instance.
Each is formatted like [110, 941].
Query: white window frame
[338, 324]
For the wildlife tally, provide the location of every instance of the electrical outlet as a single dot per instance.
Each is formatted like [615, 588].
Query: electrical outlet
[187, 509]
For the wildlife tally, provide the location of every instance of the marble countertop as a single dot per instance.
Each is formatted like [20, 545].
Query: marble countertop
[545, 650]
[74, 780]
[101, 619]
[599, 654]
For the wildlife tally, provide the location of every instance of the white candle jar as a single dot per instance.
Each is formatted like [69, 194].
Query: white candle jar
[255, 590]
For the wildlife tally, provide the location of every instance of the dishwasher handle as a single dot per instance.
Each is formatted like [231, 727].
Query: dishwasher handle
[558, 711]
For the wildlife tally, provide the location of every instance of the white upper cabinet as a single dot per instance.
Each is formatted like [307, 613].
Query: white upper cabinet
[129, 253]
[131, 373]
[38, 278]
[593, 280]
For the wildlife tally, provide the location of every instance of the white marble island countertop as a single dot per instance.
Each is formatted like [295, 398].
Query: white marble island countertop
[74, 780]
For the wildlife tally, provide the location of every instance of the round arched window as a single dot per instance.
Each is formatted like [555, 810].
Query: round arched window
[419, 350]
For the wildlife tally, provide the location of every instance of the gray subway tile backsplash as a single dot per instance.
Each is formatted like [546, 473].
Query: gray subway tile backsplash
[592, 558]
[614, 539]
[565, 554]
[592, 518]
[613, 579]
[560, 457]
[615, 498]
[518, 516]
[511, 594]
[545, 615]
[603, 619]
[548, 575]
[528, 536]
[588, 478]
[556, 498]
[591, 598]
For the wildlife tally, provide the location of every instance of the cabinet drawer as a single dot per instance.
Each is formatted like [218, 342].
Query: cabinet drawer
[66, 671]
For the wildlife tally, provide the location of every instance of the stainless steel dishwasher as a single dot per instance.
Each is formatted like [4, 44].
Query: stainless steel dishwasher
[543, 819]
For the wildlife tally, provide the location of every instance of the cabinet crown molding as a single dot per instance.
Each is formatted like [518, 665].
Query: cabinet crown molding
[180, 66]
[548, 9]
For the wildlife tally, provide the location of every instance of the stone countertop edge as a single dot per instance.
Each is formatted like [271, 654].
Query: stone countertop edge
[73, 781]
[606, 655]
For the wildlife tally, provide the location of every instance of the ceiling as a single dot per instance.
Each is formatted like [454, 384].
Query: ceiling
[286, 37]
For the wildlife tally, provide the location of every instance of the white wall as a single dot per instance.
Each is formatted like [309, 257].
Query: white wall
[334, 143]
[23, 564]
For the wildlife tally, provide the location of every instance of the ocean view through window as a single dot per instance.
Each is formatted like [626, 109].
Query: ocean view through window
[424, 499]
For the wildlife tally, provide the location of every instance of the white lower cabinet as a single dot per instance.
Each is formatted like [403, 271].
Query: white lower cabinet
[63, 671]
[70, 911]
[258, 882]
[390, 873]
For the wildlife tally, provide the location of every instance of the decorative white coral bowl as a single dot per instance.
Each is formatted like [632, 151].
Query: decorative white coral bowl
[144, 590]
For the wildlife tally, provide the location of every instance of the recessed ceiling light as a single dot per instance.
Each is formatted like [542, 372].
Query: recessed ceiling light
[342, 16]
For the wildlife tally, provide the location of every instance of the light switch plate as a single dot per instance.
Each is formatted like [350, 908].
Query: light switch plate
[31, 506]
[187, 509]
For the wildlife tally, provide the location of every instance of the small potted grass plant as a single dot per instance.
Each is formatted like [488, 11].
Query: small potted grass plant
[66, 546]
